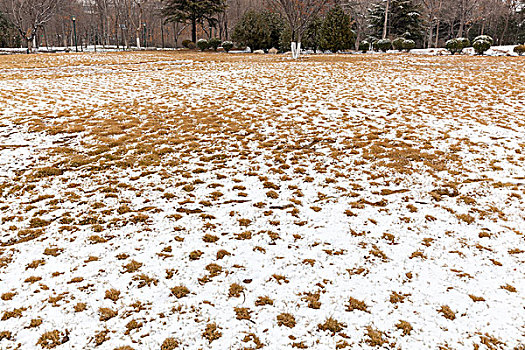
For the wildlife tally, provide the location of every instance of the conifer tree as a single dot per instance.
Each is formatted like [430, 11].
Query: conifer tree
[336, 31]
[404, 19]
[193, 11]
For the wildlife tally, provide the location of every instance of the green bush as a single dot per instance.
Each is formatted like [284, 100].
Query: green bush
[453, 46]
[384, 45]
[258, 30]
[336, 31]
[457, 45]
[227, 46]
[463, 43]
[398, 44]
[486, 38]
[214, 43]
[481, 45]
[364, 46]
[520, 49]
[409, 45]
[188, 44]
[203, 44]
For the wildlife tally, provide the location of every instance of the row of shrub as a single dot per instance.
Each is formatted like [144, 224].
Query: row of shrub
[480, 44]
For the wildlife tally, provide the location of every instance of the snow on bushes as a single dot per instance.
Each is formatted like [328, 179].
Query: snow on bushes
[482, 43]
[227, 46]
[203, 44]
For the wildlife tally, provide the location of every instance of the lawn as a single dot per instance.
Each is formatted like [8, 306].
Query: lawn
[164, 200]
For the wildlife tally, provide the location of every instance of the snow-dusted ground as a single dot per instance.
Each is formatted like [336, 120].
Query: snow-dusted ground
[395, 180]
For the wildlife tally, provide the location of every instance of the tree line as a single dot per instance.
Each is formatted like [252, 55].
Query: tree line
[166, 23]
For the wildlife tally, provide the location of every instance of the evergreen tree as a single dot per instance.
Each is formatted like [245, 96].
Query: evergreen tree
[259, 30]
[193, 11]
[336, 31]
[8, 35]
[404, 19]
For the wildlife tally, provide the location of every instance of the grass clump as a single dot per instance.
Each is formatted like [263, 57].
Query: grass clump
[52, 339]
[180, 291]
[235, 290]
[169, 344]
[211, 332]
[355, 304]
[286, 319]
[331, 325]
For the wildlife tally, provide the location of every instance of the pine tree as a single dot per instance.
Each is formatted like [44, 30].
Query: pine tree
[404, 19]
[193, 11]
[336, 32]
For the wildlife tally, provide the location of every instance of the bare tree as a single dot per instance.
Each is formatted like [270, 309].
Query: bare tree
[29, 15]
[299, 14]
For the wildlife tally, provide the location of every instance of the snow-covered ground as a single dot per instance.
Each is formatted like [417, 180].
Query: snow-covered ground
[240, 202]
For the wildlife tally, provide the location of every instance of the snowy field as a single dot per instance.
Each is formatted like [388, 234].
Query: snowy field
[207, 201]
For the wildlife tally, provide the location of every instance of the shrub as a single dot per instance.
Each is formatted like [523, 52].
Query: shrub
[384, 45]
[398, 44]
[463, 43]
[186, 43]
[203, 44]
[227, 46]
[520, 49]
[486, 38]
[452, 45]
[481, 46]
[214, 43]
[409, 45]
[364, 46]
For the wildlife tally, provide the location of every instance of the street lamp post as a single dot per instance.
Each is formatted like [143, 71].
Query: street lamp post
[74, 19]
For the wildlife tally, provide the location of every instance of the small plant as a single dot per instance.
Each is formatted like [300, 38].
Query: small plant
[106, 313]
[405, 327]
[452, 46]
[203, 44]
[180, 291]
[112, 294]
[383, 45]
[331, 325]
[264, 300]
[235, 290]
[447, 312]
[354, 304]
[409, 45]
[520, 50]
[397, 44]
[481, 46]
[286, 319]
[169, 344]
[463, 43]
[52, 339]
[227, 46]
[211, 332]
[364, 46]
[214, 43]
[188, 44]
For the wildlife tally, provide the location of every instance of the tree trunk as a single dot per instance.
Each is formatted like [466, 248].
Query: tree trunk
[194, 29]
[430, 35]
[462, 20]
[29, 44]
[437, 33]
[385, 25]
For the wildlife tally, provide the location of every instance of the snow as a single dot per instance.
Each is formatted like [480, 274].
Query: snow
[392, 173]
